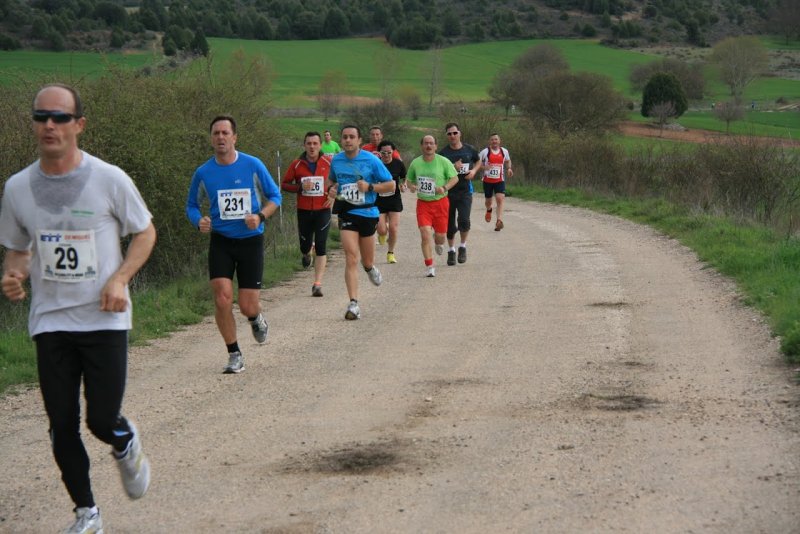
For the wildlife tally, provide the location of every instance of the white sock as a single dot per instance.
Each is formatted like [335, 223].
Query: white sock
[463, 245]
[453, 248]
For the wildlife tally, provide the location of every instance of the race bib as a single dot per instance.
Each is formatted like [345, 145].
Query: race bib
[317, 183]
[495, 171]
[464, 168]
[426, 186]
[233, 203]
[67, 255]
[351, 194]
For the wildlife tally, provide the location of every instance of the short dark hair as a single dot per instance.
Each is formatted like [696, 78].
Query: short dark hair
[78, 113]
[223, 118]
[450, 125]
[312, 134]
[356, 128]
[327, 131]
[384, 143]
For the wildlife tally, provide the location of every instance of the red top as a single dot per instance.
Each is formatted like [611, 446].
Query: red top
[292, 182]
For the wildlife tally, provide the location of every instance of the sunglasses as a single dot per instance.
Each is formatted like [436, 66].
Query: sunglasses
[59, 117]
[452, 133]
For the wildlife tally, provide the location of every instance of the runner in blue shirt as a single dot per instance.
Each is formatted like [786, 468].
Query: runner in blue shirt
[357, 177]
[241, 194]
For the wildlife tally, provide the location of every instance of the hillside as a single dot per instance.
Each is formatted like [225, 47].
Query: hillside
[119, 24]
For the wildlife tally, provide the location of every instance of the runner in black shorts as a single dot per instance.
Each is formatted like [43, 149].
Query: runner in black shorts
[391, 205]
[466, 161]
[357, 177]
[307, 177]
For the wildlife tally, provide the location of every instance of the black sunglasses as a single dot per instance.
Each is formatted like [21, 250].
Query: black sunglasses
[59, 117]
[452, 133]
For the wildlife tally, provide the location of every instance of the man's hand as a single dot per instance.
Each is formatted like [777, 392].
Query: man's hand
[113, 297]
[12, 285]
[205, 224]
[252, 221]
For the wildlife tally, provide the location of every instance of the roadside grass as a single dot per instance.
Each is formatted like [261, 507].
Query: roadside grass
[761, 262]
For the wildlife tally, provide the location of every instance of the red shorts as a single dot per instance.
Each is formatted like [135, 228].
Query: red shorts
[433, 213]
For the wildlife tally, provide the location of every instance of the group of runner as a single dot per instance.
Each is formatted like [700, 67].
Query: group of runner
[62, 218]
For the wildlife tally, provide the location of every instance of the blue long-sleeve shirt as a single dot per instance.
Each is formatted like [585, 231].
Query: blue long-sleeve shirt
[233, 191]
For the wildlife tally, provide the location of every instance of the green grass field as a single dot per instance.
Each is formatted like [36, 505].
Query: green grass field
[68, 67]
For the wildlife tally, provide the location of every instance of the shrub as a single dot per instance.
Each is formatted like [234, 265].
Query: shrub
[663, 88]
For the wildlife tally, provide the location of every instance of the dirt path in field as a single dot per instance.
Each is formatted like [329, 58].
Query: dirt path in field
[578, 374]
[637, 129]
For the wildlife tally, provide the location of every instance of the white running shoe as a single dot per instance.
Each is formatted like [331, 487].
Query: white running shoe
[235, 363]
[134, 467]
[431, 272]
[260, 329]
[353, 311]
[86, 522]
[375, 276]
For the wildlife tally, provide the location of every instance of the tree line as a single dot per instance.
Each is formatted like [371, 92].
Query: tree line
[414, 24]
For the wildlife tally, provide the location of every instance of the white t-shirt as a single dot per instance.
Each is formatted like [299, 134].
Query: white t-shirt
[73, 224]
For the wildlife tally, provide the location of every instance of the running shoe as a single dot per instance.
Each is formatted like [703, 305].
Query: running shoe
[431, 272]
[134, 467]
[451, 257]
[488, 216]
[86, 522]
[306, 260]
[375, 276]
[353, 311]
[439, 249]
[499, 226]
[462, 254]
[382, 239]
[235, 363]
[260, 328]
[390, 257]
[316, 290]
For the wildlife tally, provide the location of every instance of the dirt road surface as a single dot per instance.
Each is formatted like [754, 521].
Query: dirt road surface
[578, 374]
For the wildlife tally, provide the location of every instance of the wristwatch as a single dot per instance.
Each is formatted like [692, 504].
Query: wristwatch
[262, 217]
[370, 188]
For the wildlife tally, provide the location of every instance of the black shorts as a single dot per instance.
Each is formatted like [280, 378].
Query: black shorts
[494, 188]
[313, 227]
[391, 203]
[245, 257]
[365, 226]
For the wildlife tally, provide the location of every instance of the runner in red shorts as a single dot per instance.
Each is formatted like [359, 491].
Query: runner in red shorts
[431, 176]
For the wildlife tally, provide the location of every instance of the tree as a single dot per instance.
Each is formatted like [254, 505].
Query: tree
[689, 74]
[332, 86]
[663, 88]
[336, 23]
[785, 19]
[112, 14]
[199, 43]
[435, 83]
[569, 103]
[740, 61]
[729, 112]
[262, 29]
[510, 85]
[662, 112]
[506, 89]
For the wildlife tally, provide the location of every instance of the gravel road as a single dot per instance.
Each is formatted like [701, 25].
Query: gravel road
[579, 373]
